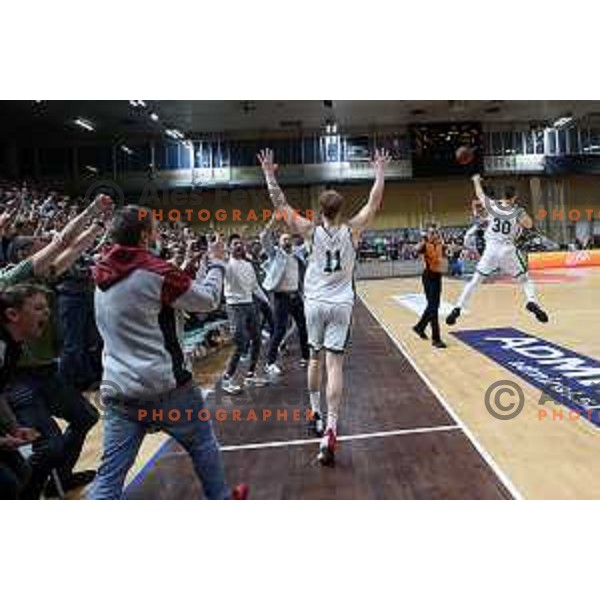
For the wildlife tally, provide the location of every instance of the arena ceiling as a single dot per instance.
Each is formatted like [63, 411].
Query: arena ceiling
[118, 118]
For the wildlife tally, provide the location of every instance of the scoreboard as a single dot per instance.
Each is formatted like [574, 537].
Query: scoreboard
[434, 146]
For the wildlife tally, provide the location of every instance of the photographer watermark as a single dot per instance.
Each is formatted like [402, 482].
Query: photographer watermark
[505, 400]
[504, 212]
[172, 204]
[589, 214]
[499, 407]
[103, 393]
[175, 415]
[108, 188]
[157, 409]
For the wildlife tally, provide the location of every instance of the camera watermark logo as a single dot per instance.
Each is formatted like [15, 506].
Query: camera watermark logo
[503, 212]
[108, 187]
[501, 407]
[106, 389]
[505, 400]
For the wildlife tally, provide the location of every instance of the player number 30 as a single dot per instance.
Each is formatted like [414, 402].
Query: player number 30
[501, 226]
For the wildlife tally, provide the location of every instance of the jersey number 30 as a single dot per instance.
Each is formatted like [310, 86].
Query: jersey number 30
[502, 226]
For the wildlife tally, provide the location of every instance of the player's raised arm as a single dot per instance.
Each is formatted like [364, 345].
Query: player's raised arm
[364, 219]
[292, 217]
[478, 187]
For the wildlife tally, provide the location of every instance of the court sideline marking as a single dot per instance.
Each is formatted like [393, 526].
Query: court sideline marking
[461, 424]
[168, 444]
[342, 438]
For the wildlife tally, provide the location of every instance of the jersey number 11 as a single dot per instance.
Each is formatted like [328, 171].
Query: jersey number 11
[330, 265]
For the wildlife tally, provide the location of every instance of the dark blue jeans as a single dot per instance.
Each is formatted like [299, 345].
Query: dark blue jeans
[36, 396]
[286, 304]
[125, 428]
[266, 314]
[80, 353]
[245, 325]
[14, 474]
[455, 267]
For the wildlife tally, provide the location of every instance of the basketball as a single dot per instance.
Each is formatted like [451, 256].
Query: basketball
[464, 155]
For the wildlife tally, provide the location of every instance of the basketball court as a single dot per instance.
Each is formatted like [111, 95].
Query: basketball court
[398, 438]
[542, 458]
[415, 423]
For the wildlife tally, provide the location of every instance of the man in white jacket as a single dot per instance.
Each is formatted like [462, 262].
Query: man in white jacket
[241, 287]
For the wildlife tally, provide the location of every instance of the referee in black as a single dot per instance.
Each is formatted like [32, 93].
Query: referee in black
[431, 248]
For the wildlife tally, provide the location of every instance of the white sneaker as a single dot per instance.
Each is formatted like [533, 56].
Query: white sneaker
[273, 371]
[254, 381]
[207, 393]
[316, 424]
[230, 387]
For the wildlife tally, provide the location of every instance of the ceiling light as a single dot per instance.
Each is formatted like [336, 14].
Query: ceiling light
[561, 122]
[84, 124]
[330, 128]
[137, 103]
[154, 116]
[126, 149]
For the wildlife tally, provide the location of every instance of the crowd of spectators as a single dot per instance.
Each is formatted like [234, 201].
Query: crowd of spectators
[402, 244]
[588, 243]
[50, 348]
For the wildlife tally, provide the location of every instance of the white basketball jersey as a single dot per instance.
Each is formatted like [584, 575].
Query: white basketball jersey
[503, 224]
[330, 271]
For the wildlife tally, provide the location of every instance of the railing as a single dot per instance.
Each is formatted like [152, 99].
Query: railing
[385, 269]
[316, 173]
[516, 163]
[249, 176]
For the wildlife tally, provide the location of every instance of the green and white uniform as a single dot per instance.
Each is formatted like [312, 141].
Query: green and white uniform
[329, 288]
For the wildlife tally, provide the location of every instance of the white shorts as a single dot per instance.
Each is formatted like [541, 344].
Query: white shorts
[505, 257]
[328, 325]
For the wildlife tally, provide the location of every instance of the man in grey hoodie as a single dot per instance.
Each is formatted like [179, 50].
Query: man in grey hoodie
[137, 298]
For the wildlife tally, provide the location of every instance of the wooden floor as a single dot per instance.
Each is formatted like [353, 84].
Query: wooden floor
[542, 459]
[401, 442]
[406, 441]
[206, 375]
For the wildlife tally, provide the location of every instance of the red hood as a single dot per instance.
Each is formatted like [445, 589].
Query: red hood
[118, 262]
